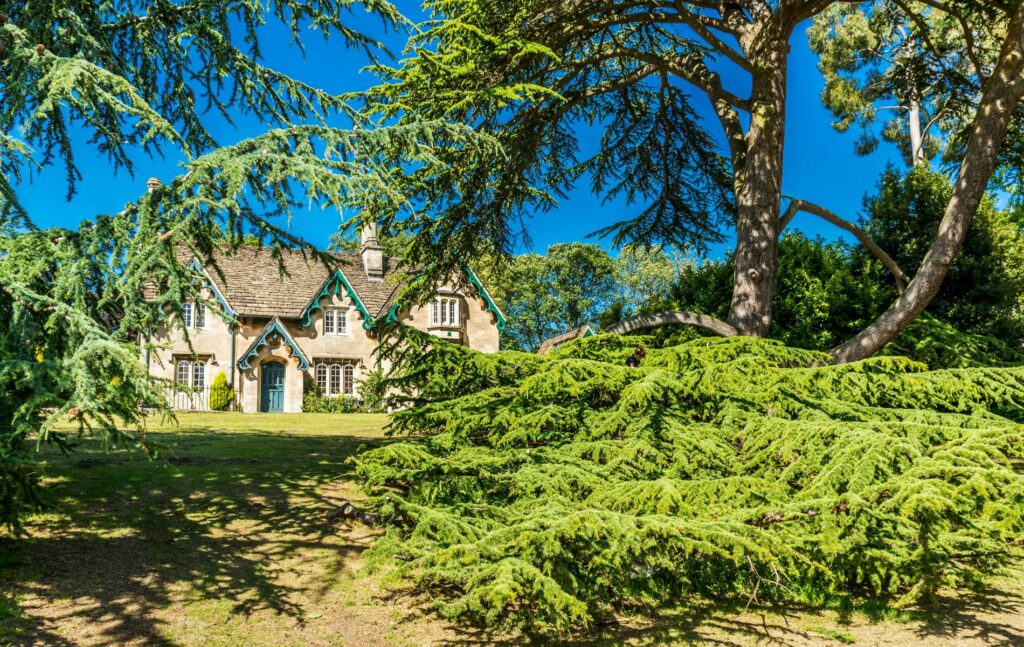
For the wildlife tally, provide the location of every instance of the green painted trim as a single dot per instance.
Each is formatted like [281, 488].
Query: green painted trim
[492, 307]
[392, 317]
[589, 333]
[196, 266]
[336, 281]
[274, 326]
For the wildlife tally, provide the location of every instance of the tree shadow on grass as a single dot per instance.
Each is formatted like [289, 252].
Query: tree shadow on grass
[995, 617]
[219, 521]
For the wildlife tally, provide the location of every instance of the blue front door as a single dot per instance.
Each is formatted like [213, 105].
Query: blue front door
[272, 387]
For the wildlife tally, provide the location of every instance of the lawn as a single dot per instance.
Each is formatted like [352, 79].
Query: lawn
[231, 540]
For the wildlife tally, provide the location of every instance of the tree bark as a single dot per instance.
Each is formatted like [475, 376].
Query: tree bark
[1003, 92]
[659, 319]
[759, 186]
[916, 137]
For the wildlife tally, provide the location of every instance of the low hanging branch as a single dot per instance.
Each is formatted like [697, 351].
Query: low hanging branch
[659, 319]
[796, 206]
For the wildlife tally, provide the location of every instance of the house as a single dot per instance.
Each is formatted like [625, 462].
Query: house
[551, 344]
[273, 335]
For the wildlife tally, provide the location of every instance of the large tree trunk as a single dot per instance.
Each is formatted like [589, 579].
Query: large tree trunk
[1003, 92]
[759, 187]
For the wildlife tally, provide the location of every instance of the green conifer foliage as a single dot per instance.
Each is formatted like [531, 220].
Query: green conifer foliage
[550, 492]
[143, 77]
[221, 394]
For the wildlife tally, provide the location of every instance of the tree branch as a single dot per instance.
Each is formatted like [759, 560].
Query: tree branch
[660, 319]
[816, 210]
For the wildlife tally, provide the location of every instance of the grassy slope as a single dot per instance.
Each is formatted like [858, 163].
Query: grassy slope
[230, 541]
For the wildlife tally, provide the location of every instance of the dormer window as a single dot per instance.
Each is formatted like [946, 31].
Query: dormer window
[335, 321]
[194, 316]
[444, 311]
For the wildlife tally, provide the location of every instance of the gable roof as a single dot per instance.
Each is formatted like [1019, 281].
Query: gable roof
[558, 340]
[254, 286]
[273, 328]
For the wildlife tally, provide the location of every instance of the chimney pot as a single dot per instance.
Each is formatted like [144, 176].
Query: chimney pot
[153, 183]
[372, 253]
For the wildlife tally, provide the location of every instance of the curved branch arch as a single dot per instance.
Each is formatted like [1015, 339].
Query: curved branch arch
[669, 317]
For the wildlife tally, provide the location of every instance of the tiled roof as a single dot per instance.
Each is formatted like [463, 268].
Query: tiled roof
[558, 340]
[252, 283]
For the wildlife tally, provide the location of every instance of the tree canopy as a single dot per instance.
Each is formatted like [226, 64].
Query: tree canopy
[527, 72]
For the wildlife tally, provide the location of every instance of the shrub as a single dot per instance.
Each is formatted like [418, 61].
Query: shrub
[374, 391]
[314, 401]
[221, 394]
[553, 492]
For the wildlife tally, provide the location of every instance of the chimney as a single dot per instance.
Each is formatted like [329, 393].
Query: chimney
[152, 184]
[373, 254]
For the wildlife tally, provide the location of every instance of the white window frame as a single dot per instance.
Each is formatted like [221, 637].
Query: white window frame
[179, 366]
[193, 315]
[321, 378]
[446, 312]
[348, 380]
[336, 321]
[336, 377]
[199, 316]
[194, 373]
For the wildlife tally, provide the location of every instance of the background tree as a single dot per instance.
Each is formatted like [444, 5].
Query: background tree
[644, 275]
[826, 292]
[546, 295]
[982, 291]
[393, 243]
[907, 65]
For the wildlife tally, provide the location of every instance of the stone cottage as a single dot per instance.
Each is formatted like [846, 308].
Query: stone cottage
[271, 335]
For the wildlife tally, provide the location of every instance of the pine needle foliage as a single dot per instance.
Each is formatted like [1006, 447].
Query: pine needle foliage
[548, 493]
[143, 76]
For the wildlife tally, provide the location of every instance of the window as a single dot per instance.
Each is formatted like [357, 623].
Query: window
[444, 311]
[183, 372]
[321, 378]
[336, 377]
[189, 373]
[193, 315]
[349, 386]
[335, 322]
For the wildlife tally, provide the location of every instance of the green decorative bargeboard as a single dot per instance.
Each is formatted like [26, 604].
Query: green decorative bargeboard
[334, 285]
[492, 307]
[275, 327]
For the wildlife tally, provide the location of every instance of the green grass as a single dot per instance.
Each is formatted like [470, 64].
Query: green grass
[231, 524]
[834, 634]
[230, 539]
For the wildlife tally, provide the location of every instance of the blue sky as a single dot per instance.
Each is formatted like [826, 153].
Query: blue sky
[820, 164]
